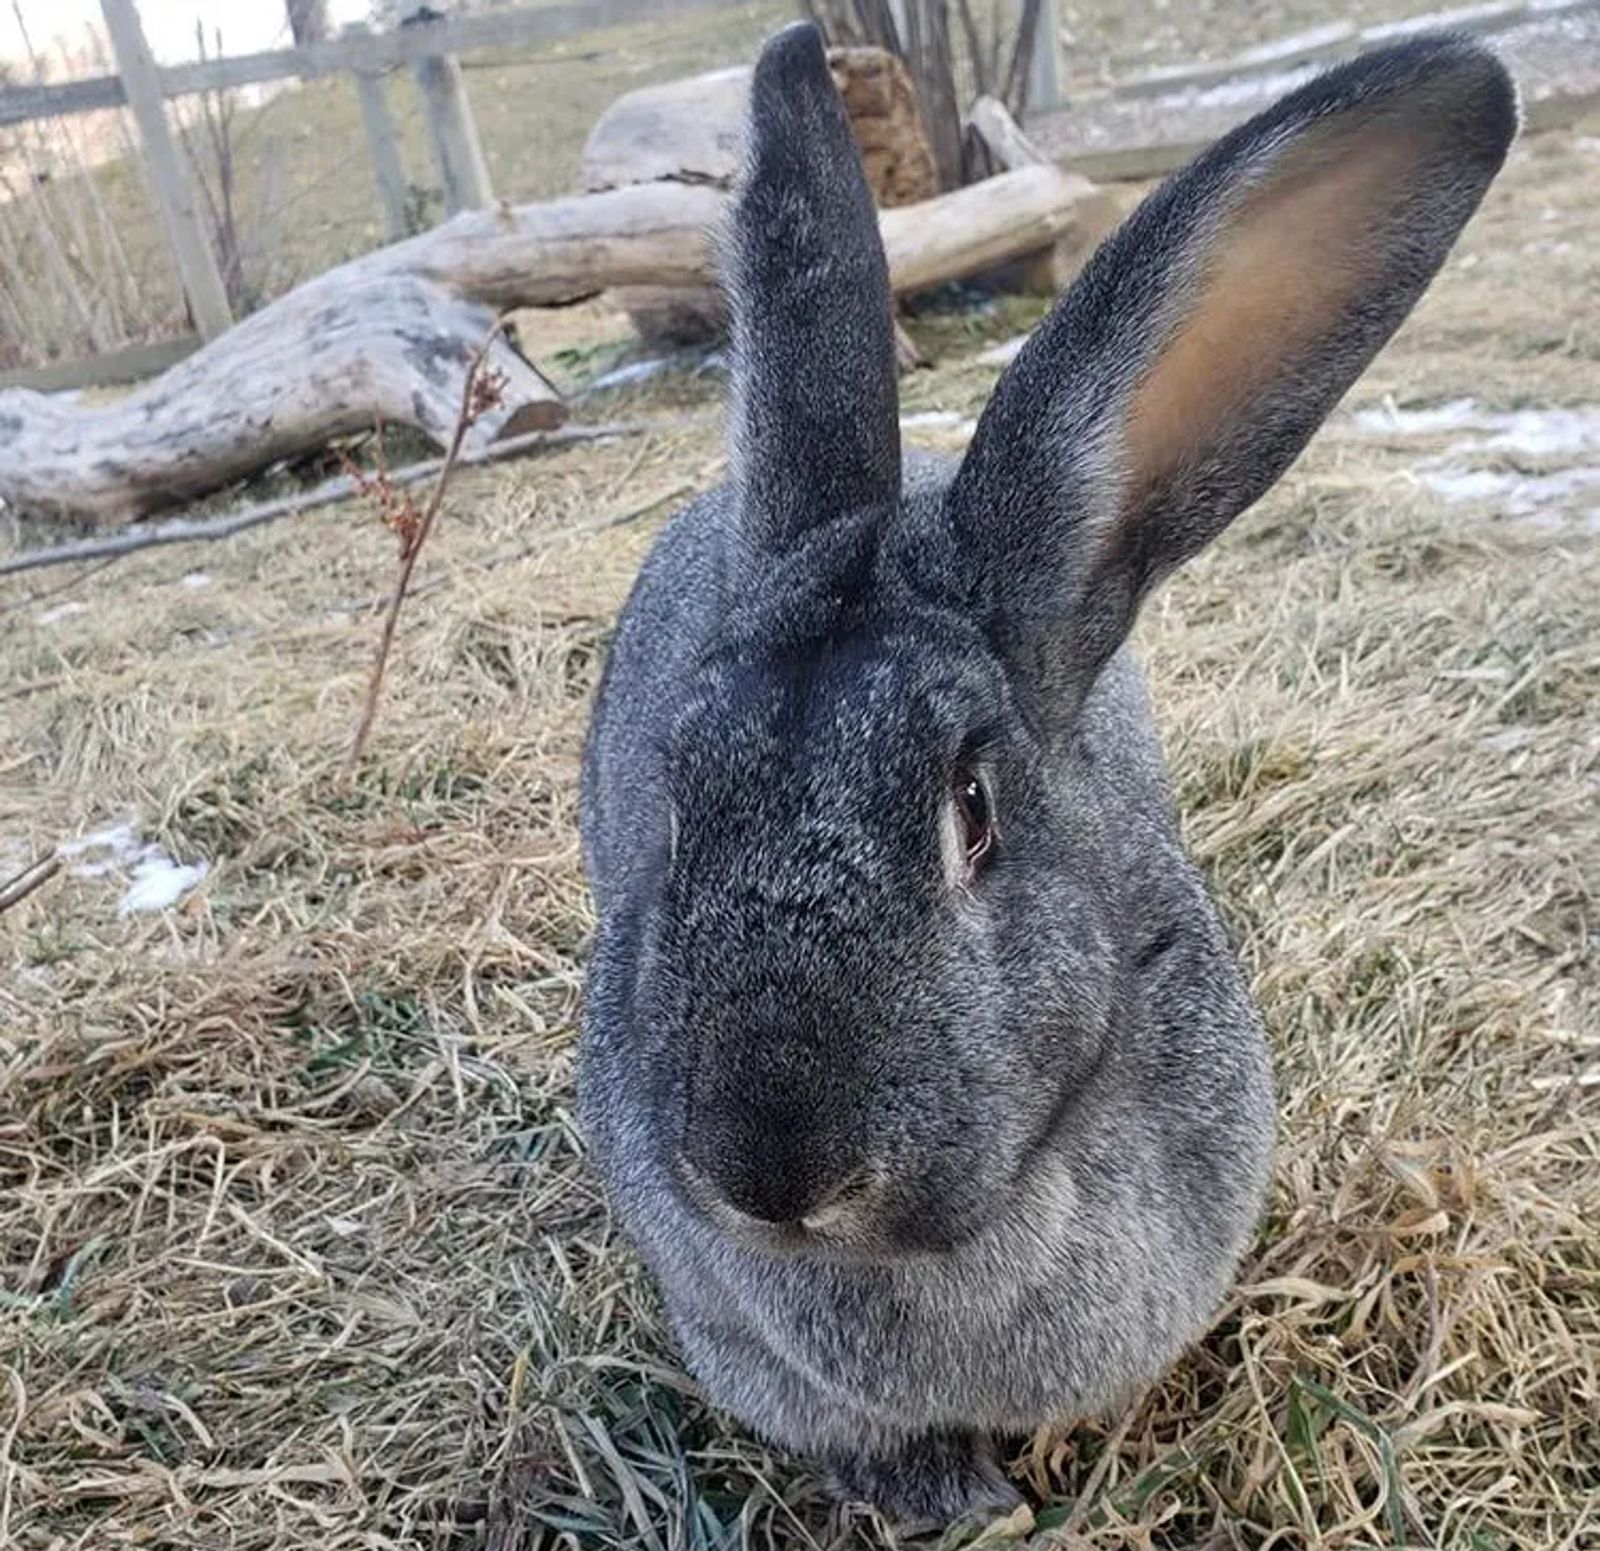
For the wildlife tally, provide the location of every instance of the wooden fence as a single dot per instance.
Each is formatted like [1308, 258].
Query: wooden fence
[428, 47]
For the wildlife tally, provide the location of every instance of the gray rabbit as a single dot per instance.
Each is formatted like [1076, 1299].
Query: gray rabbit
[915, 1057]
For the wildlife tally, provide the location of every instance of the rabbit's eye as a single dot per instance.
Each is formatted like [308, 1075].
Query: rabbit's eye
[974, 811]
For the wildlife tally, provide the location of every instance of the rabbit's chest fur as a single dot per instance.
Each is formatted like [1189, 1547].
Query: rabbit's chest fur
[1078, 1294]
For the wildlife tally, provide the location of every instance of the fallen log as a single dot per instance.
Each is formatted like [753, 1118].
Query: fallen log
[326, 361]
[1048, 271]
[975, 228]
[691, 130]
[391, 335]
[991, 121]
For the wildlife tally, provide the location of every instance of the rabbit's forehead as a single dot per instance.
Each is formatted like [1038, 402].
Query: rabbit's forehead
[843, 719]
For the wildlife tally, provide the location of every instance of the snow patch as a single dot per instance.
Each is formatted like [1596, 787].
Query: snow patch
[1466, 484]
[159, 882]
[194, 579]
[1478, 435]
[634, 371]
[693, 363]
[1533, 433]
[119, 840]
[1522, 495]
[1389, 419]
[941, 419]
[155, 880]
[60, 611]
[1544, 433]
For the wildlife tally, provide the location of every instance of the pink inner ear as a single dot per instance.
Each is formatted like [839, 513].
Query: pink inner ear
[1280, 276]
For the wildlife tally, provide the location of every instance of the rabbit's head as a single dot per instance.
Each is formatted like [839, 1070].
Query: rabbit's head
[894, 940]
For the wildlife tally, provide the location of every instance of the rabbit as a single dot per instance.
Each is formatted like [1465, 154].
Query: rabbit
[915, 1059]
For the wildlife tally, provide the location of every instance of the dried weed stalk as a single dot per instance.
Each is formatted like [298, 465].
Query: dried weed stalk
[483, 391]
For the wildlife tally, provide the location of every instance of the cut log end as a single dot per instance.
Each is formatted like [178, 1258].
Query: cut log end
[538, 415]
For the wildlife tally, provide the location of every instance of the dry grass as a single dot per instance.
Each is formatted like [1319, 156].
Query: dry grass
[296, 1245]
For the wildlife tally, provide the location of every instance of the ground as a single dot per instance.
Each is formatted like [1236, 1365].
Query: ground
[297, 1247]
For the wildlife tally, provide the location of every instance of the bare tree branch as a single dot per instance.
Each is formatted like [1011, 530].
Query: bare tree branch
[34, 876]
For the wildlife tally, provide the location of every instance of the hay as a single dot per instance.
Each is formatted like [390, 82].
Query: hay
[296, 1246]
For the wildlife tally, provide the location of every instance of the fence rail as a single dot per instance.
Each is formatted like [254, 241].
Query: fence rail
[115, 368]
[369, 52]
[1338, 40]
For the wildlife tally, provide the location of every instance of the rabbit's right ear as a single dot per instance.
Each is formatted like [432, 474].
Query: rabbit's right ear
[1204, 343]
[816, 429]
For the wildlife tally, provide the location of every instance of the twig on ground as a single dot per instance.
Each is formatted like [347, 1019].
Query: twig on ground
[186, 530]
[60, 587]
[33, 687]
[908, 355]
[624, 517]
[33, 876]
[481, 392]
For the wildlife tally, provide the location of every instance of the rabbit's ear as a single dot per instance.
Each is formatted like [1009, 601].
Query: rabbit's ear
[816, 431]
[1205, 342]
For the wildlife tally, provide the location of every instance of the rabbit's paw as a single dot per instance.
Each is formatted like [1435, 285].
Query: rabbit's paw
[929, 1483]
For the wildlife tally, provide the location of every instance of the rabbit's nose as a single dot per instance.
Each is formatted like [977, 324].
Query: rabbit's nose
[771, 1180]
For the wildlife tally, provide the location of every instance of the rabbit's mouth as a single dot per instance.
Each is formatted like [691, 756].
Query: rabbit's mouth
[846, 1227]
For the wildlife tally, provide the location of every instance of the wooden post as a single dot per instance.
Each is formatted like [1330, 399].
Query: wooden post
[897, 14]
[180, 211]
[383, 143]
[1044, 68]
[454, 134]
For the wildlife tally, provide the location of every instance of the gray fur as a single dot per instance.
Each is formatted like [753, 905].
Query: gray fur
[1030, 1118]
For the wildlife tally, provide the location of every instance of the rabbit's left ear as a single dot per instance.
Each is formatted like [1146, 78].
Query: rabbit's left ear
[816, 431]
[1204, 343]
